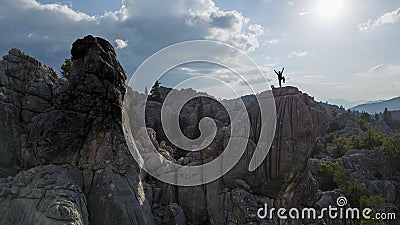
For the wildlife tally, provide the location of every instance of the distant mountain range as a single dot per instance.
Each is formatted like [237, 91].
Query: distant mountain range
[371, 107]
[379, 106]
[345, 103]
[246, 99]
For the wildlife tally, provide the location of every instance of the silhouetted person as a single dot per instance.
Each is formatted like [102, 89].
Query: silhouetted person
[280, 76]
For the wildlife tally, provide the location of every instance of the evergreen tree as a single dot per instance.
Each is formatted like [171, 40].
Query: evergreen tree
[376, 116]
[387, 116]
[66, 68]
[334, 112]
[155, 92]
[365, 116]
[391, 121]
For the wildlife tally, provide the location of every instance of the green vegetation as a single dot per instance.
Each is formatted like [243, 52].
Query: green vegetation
[333, 112]
[376, 116]
[340, 145]
[391, 147]
[390, 121]
[333, 176]
[364, 124]
[371, 139]
[378, 204]
[66, 68]
[318, 147]
[366, 117]
[334, 126]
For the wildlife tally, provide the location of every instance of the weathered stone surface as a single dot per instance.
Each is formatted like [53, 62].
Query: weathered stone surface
[174, 215]
[49, 194]
[77, 122]
[370, 168]
[65, 158]
[283, 179]
[27, 88]
[284, 174]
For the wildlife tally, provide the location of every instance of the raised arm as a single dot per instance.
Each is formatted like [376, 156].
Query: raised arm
[283, 68]
[276, 73]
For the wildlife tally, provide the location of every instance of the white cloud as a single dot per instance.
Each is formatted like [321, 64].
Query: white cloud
[297, 54]
[303, 13]
[52, 28]
[57, 8]
[394, 69]
[291, 3]
[376, 68]
[121, 43]
[387, 18]
[273, 41]
[31, 35]
[384, 71]
[302, 80]
[226, 26]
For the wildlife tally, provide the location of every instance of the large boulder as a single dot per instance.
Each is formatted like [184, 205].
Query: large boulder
[49, 194]
[27, 88]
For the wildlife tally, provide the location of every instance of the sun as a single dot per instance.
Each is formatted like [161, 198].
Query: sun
[330, 9]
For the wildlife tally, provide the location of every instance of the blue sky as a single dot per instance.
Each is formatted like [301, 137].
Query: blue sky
[330, 48]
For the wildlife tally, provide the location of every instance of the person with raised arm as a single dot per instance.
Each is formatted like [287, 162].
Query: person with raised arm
[280, 76]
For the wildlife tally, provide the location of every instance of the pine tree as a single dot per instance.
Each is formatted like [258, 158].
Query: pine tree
[334, 112]
[155, 92]
[376, 116]
[66, 68]
[387, 116]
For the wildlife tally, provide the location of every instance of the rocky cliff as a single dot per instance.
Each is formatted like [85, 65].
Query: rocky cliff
[65, 159]
[65, 156]
[283, 179]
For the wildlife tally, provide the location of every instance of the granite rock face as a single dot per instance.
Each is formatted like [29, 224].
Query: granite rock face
[27, 89]
[48, 194]
[65, 158]
[282, 180]
[284, 175]
[47, 120]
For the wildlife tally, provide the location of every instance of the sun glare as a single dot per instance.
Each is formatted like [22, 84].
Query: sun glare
[330, 8]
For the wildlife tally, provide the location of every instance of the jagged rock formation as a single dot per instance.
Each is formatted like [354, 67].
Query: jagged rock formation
[65, 159]
[27, 88]
[372, 173]
[283, 179]
[299, 122]
[76, 124]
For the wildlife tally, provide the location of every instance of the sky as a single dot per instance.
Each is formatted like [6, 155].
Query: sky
[331, 49]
